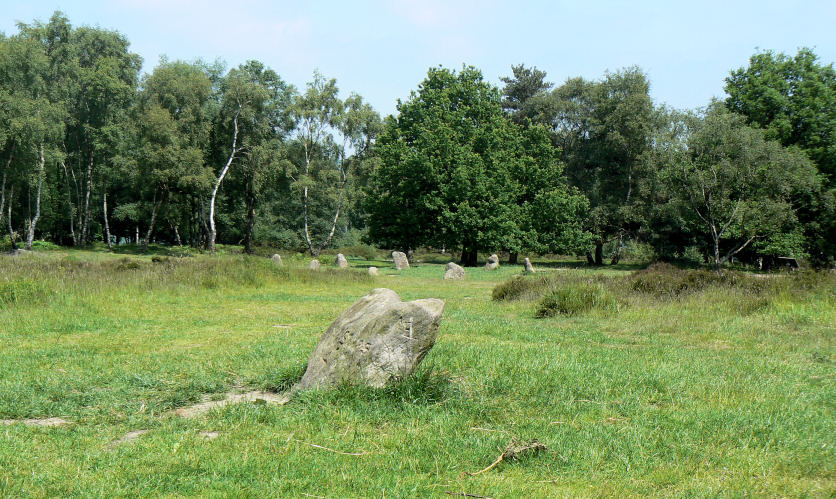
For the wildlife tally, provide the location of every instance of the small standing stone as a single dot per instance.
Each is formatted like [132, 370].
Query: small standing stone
[314, 265]
[341, 261]
[373, 271]
[400, 259]
[528, 267]
[454, 272]
[493, 262]
[277, 259]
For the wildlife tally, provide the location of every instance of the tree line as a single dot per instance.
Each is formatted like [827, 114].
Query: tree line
[194, 154]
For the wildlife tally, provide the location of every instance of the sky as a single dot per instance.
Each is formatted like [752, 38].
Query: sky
[382, 49]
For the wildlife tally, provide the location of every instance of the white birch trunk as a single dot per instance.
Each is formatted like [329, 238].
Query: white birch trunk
[30, 236]
[213, 231]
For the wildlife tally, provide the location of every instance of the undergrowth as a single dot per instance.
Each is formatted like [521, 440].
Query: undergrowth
[577, 293]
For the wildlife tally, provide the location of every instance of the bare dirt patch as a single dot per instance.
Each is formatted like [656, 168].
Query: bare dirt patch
[131, 435]
[232, 398]
[49, 422]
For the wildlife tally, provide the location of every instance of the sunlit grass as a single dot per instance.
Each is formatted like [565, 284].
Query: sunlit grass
[717, 391]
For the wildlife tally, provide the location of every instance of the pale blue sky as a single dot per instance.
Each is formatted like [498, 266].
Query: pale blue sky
[382, 50]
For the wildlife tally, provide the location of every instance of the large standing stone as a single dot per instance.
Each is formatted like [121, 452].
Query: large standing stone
[373, 271]
[454, 272]
[400, 259]
[377, 340]
[277, 259]
[493, 262]
[314, 265]
[528, 267]
[341, 261]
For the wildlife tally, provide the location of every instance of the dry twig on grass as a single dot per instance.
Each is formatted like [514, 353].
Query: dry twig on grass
[465, 494]
[331, 450]
[513, 451]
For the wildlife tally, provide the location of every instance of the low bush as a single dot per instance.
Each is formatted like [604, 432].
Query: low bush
[577, 299]
[663, 280]
[521, 288]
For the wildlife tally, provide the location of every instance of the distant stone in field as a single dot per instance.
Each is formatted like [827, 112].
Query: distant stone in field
[454, 272]
[341, 261]
[493, 262]
[314, 265]
[277, 259]
[373, 271]
[379, 339]
[528, 267]
[400, 259]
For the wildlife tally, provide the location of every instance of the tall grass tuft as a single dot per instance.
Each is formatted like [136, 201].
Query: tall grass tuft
[577, 299]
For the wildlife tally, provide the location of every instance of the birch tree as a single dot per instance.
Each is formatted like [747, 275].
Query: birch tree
[737, 184]
[332, 134]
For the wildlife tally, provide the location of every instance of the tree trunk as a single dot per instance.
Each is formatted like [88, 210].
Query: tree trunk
[177, 235]
[589, 259]
[136, 238]
[30, 236]
[213, 231]
[716, 255]
[85, 228]
[153, 221]
[599, 253]
[106, 223]
[618, 247]
[513, 256]
[69, 202]
[250, 205]
[3, 184]
[469, 256]
[9, 216]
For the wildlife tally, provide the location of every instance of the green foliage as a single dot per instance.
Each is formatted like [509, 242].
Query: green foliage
[794, 100]
[603, 128]
[462, 175]
[734, 184]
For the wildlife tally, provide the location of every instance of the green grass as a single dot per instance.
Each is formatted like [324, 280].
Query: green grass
[708, 388]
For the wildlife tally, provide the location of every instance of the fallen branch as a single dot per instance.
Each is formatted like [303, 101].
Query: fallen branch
[464, 494]
[513, 451]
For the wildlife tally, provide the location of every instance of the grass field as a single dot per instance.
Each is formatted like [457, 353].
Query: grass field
[638, 383]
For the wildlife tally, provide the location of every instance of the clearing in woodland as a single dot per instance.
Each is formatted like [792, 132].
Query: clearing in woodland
[625, 381]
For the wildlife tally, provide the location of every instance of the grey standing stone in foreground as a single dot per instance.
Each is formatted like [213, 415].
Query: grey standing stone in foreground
[528, 267]
[454, 272]
[377, 340]
[341, 261]
[314, 265]
[400, 259]
[373, 271]
[493, 262]
[277, 259]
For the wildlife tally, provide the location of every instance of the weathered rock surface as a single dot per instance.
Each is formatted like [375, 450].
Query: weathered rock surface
[373, 271]
[454, 272]
[277, 259]
[400, 259]
[528, 267]
[341, 261]
[314, 265]
[377, 340]
[493, 262]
